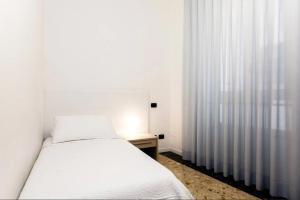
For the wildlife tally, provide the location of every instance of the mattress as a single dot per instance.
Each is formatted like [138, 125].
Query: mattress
[99, 169]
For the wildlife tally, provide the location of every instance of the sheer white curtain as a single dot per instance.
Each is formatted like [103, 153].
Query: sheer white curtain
[238, 101]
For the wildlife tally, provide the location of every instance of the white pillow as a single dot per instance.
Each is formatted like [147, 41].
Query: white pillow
[69, 128]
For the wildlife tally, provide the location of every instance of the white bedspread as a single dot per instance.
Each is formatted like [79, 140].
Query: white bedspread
[100, 169]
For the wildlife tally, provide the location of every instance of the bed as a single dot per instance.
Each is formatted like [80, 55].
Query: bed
[99, 169]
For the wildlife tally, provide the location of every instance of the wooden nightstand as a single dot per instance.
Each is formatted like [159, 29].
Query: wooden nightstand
[146, 142]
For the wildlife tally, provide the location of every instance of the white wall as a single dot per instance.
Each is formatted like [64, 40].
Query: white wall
[20, 91]
[118, 45]
[176, 74]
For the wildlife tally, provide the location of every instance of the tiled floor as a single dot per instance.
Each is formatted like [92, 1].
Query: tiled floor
[201, 185]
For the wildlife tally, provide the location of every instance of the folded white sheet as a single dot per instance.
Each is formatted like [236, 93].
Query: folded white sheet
[100, 169]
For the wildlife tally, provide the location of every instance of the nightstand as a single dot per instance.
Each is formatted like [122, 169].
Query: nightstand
[146, 142]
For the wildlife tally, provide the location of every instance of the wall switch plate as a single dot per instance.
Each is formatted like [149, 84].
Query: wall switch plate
[161, 136]
[153, 105]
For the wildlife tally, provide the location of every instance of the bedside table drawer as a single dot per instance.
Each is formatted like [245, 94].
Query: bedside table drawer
[144, 143]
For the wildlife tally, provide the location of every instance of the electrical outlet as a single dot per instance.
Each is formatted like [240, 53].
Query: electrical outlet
[161, 136]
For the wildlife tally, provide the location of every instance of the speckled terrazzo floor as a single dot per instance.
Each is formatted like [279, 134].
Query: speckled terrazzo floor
[201, 185]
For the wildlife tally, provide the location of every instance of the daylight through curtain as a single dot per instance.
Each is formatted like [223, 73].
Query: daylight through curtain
[237, 107]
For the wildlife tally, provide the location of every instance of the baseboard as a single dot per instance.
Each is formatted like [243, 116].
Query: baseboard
[177, 151]
[174, 150]
[162, 150]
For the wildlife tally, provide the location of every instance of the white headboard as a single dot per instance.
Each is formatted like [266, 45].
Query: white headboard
[128, 110]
